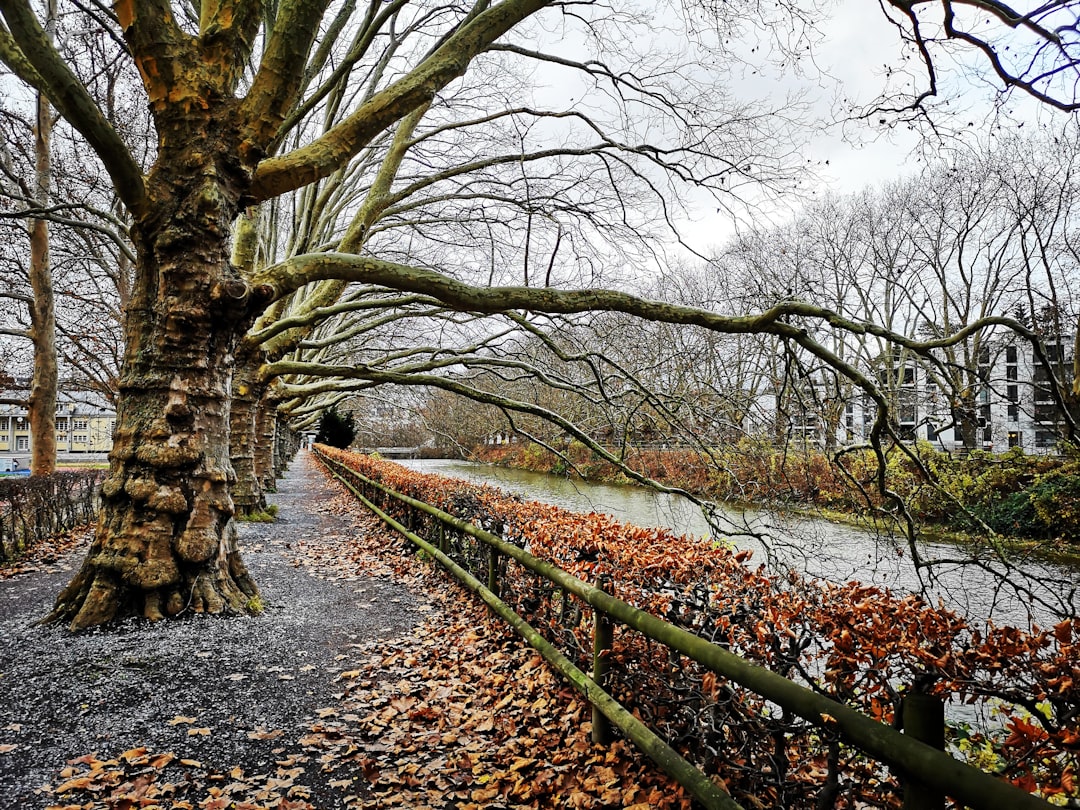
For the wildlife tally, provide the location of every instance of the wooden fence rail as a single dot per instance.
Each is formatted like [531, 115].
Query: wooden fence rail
[929, 773]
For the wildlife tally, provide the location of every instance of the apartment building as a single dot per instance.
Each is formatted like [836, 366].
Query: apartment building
[84, 425]
[1014, 404]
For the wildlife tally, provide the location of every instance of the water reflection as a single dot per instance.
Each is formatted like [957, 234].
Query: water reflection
[1042, 592]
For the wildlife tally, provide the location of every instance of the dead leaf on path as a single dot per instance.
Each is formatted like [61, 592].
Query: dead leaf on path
[236, 676]
[262, 734]
[199, 732]
[180, 720]
[134, 755]
[7, 749]
[80, 783]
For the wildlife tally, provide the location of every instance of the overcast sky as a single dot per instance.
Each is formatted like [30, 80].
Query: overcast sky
[859, 42]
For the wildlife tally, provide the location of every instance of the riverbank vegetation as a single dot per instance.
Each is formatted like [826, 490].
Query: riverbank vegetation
[1033, 499]
[858, 643]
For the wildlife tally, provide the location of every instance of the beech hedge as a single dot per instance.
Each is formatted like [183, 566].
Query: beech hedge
[1015, 694]
[38, 507]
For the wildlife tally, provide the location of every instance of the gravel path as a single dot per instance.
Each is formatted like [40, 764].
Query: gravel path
[227, 692]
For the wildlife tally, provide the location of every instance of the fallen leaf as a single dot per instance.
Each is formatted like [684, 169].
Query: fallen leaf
[262, 734]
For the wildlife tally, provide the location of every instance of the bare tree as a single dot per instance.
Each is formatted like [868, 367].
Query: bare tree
[228, 85]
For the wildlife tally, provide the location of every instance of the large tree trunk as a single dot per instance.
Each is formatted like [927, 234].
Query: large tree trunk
[266, 423]
[286, 443]
[166, 539]
[247, 395]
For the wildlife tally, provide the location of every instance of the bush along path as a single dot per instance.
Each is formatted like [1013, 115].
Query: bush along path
[350, 690]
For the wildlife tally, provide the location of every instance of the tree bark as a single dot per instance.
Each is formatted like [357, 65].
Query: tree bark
[247, 395]
[266, 424]
[166, 538]
[966, 419]
[43, 385]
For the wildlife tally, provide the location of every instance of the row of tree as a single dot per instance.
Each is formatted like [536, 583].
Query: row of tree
[975, 236]
[288, 203]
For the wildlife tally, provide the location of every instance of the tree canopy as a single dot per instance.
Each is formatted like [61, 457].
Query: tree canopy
[292, 185]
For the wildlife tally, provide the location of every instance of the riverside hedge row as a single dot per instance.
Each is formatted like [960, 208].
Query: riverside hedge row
[858, 643]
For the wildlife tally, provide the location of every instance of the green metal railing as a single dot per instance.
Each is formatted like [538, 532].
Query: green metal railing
[929, 773]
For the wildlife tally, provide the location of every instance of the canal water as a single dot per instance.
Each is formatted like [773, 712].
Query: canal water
[1038, 591]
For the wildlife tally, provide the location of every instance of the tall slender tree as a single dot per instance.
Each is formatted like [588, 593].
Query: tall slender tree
[43, 385]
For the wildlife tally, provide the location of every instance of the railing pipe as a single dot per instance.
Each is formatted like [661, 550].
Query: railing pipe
[932, 767]
[603, 636]
[675, 765]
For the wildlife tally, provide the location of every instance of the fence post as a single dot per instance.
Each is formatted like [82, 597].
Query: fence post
[493, 570]
[602, 640]
[923, 717]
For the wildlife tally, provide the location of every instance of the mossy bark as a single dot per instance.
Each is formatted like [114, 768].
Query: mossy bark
[247, 394]
[166, 538]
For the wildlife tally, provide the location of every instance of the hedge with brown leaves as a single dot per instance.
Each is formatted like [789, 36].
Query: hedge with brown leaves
[857, 643]
[36, 508]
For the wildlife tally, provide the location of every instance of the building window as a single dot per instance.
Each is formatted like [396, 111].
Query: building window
[21, 423]
[1010, 372]
[79, 438]
[1014, 412]
[22, 443]
[5, 423]
[61, 424]
[1010, 354]
[1015, 438]
[81, 424]
[1045, 438]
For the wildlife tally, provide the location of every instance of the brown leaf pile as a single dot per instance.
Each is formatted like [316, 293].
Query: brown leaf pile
[138, 778]
[462, 713]
[459, 714]
[49, 552]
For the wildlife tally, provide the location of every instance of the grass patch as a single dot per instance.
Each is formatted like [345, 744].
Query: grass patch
[268, 515]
